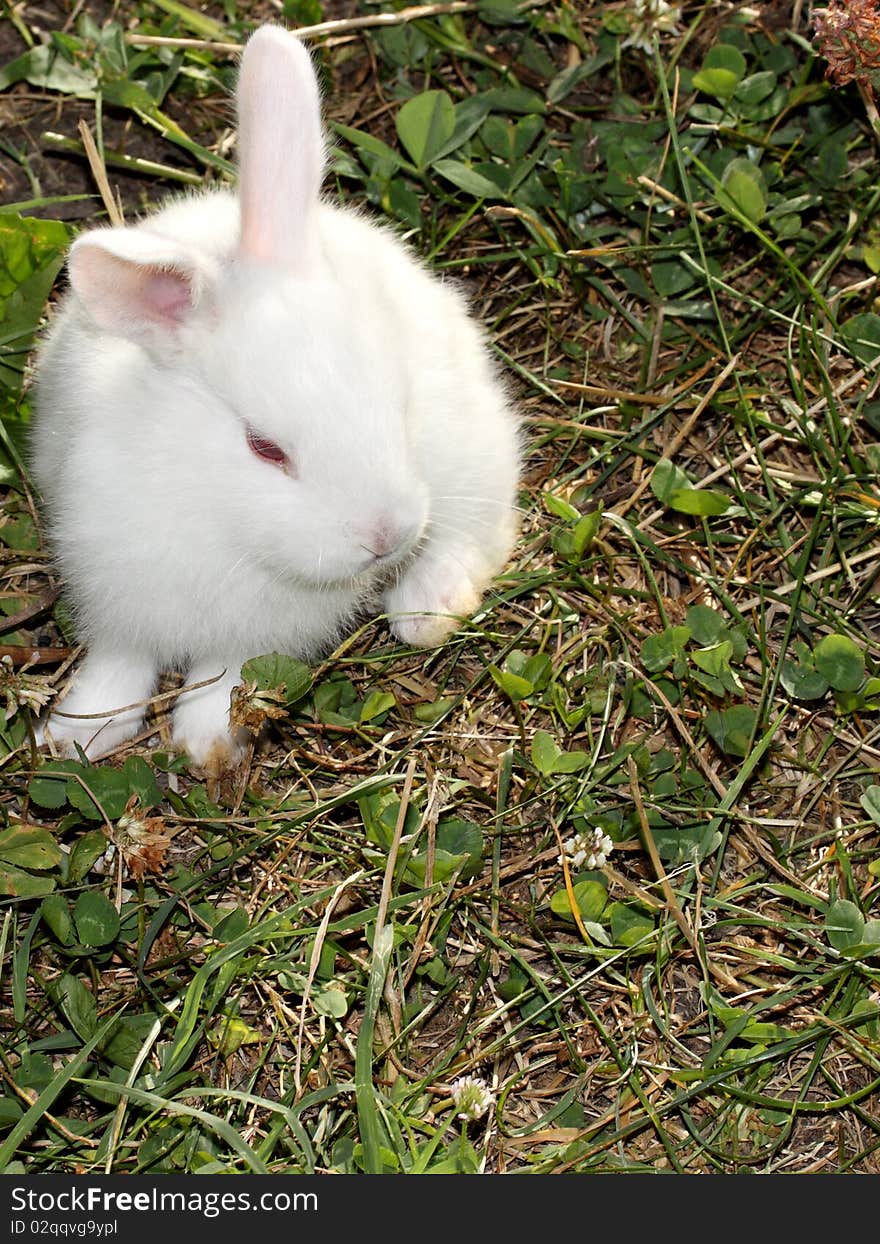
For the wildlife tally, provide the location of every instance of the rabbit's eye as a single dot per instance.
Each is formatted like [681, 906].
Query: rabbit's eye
[267, 450]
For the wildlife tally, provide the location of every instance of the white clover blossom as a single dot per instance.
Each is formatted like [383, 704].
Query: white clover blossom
[591, 848]
[22, 689]
[471, 1098]
[648, 17]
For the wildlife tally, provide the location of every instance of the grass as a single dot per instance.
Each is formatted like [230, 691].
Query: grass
[673, 246]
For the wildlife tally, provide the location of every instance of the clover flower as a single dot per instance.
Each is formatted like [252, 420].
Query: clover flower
[590, 848]
[142, 842]
[19, 690]
[471, 1098]
[848, 36]
[648, 17]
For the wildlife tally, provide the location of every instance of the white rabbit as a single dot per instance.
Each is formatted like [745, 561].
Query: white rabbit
[257, 417]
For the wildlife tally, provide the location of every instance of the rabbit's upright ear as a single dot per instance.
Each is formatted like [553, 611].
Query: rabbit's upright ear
[136, 283]
[281, 148]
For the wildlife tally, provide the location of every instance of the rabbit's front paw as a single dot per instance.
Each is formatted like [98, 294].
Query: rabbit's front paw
[430, 600]
[104, 708]
[201, 725]
[96, 735]
[212, 753]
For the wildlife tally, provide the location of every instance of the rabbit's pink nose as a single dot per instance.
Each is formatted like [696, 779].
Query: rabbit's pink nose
[389, 538]
[384, 539]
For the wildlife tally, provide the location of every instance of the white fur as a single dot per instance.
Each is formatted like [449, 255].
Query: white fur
[180, 547]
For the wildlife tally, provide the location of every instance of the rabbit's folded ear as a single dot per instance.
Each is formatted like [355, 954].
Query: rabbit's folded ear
[281, 151]
[135, 283]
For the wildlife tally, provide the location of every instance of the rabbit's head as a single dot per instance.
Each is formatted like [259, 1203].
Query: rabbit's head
[282, 381]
